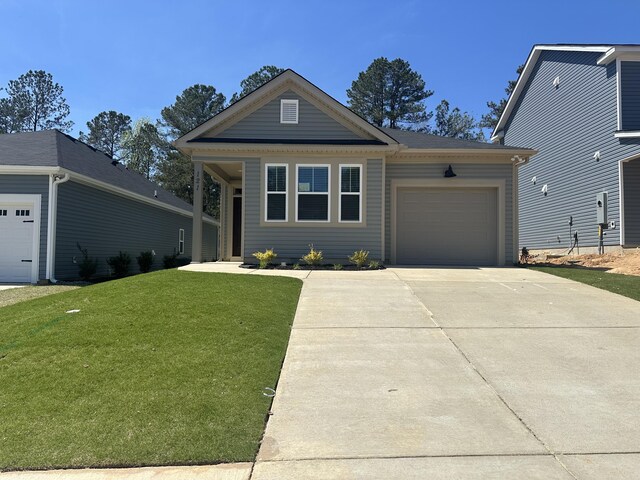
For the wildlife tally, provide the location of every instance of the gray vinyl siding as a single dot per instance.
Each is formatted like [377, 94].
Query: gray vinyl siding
[32, 185]
[632, 203]
[105, 223]
[313, 124]
[209, 242]
[630, 95]
[415, 171]
[567, 125]
[336, 243]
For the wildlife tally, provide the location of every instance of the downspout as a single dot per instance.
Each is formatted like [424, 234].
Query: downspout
[54, 181]
[516, 208]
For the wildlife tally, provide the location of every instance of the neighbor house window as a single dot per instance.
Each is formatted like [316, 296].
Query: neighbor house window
[181, 241]
[288, 111]
[277, 179]
[350, 193]
[312, 199]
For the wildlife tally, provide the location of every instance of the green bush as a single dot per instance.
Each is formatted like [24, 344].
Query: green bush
[374, 265]
[120, 264]
[170, 261]
[145, 261]
[265, 258]
[338, 266]
[296, 266]
[313, 258]
[359, 258]
[87, 267]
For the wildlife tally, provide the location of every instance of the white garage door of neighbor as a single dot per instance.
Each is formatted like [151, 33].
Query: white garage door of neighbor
[446, 226]
[17, 231]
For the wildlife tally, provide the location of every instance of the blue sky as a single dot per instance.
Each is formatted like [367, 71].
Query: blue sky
[136, 56]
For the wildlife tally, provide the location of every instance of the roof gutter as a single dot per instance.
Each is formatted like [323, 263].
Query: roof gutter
[54, 181]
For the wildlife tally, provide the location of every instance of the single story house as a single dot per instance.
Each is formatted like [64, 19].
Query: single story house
[298, 168]
[57, 193]
[579, 106]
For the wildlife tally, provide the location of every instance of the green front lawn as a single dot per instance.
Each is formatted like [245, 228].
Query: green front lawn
[627, 285]
[163, 368]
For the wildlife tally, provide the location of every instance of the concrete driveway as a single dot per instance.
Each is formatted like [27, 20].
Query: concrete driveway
[456, 373]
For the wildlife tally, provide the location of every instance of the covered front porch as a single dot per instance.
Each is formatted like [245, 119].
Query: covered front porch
[228, 173]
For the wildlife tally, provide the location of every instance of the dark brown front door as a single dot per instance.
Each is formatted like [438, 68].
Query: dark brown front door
[237, 227]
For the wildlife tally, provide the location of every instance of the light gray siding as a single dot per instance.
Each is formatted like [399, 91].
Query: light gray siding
[105, 223]
[313, 124]
[209, 242]
[567, 125]
[632, 203]
[415, 171]
[630, 95]
[336, 243]
[32, 185]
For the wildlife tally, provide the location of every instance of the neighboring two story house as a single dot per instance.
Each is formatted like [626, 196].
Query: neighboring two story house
[299, 168]
[579, 106]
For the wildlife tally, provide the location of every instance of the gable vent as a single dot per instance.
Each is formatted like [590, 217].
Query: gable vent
[288, 111]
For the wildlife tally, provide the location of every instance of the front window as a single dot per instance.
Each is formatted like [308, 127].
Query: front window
[181, 241]
[350, 193]
[276, 191]
[313, 193]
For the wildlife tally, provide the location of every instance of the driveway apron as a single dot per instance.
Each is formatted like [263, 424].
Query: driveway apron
[376, 384]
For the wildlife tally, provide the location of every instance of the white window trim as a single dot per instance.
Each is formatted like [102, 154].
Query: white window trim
[181, 241]
[285, 193]
[284, 102]
[327, 193]
[359, 194]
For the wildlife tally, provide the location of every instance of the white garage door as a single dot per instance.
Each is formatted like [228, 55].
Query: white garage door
[18, 247]
[446, 226]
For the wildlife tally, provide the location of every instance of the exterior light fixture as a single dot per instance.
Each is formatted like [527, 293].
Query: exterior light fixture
[448, 173]
[596, 156]
[545, 189]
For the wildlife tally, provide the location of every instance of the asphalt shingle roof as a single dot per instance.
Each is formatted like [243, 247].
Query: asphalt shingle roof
[52, 148]
[426, 140]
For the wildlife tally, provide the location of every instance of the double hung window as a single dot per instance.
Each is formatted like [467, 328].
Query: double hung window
[313, 191]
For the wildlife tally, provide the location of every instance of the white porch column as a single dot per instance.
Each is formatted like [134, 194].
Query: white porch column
[196, 245]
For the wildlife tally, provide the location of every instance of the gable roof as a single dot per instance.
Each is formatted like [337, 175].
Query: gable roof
[52, 148]
[381, 136]
[609, 53]
[289, 78]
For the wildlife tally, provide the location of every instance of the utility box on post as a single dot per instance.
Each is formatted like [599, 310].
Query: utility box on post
[601, 209]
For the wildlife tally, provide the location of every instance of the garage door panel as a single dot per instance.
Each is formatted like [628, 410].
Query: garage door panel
[17, 231]
[446, 226]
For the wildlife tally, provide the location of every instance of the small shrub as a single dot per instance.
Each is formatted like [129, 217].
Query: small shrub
[265, 258]
[296, 266]
[170, 261]
[338, 266]
[120, 264]
[313, 258]
[374, 265]
[145, 261]
[87, 267]
[359, 258]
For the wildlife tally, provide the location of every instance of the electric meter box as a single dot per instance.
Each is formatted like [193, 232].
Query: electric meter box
[601, 208]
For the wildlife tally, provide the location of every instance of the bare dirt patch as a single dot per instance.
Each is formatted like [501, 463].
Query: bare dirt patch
[626, 262]
[15, 295]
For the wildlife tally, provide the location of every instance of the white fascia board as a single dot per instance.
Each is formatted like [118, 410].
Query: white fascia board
[128, 194]
[622, 52]
[526, 72]
[27, 170]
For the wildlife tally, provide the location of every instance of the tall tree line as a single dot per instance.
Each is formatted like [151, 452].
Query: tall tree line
[388, 93]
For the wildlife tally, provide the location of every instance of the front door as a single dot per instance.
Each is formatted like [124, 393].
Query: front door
[236, 241]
